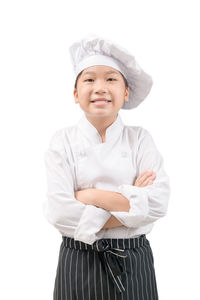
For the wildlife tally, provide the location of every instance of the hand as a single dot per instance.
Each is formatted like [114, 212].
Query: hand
[83, 196]
[145, 178]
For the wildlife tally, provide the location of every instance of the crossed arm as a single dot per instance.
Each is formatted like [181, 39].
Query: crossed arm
[104, 199]
[112, 201]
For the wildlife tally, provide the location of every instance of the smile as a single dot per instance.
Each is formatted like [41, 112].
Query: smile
[100, 102]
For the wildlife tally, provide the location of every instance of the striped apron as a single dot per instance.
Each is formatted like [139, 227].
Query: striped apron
[109, 269]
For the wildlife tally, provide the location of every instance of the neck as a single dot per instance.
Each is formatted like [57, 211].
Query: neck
[101, 123]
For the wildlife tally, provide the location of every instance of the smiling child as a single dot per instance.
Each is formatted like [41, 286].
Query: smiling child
[106, 182]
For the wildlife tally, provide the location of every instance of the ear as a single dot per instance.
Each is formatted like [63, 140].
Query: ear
[126, 97]
[76, 96]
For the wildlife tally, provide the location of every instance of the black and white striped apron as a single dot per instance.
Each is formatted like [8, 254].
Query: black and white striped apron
[109, 269]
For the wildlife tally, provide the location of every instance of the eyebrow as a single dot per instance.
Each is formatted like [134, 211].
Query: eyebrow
[109, 72]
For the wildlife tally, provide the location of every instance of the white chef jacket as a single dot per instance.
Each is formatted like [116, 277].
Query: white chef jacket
[78, 159]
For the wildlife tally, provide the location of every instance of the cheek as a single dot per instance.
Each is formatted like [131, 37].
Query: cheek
[83, 91]
[119, 88]
[119, 92]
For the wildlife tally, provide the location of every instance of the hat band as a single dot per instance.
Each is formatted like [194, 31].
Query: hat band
[95, 60]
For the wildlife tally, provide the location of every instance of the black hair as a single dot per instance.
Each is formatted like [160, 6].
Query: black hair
[75, 85]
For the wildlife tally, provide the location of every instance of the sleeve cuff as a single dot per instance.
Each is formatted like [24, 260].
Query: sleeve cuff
[90, 225]
[138, 200]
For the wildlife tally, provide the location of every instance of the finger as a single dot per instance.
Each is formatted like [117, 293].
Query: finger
[151, 179]
[153, 176]
[141, 177]
[144, 176]
[148, 182]
[139, 180]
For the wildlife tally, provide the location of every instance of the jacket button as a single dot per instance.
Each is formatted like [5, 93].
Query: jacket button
[124, 154]
[82, 154]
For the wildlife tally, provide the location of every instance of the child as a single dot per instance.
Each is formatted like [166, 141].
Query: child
[106, 182]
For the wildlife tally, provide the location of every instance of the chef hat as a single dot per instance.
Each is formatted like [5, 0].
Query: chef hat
[93, 50]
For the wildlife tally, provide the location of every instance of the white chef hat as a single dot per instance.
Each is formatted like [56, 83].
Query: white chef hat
[94, 50]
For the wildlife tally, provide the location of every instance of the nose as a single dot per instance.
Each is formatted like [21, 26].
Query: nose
[100, 86]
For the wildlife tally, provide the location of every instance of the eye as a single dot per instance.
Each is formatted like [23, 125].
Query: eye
[88, 79]
[112, 78]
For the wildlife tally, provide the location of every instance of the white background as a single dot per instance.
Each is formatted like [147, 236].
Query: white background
[36, 90]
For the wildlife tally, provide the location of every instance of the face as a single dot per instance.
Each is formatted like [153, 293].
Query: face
[101, 82]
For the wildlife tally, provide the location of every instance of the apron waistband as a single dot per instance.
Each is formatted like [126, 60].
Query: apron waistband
[106, 244]
[111, 250]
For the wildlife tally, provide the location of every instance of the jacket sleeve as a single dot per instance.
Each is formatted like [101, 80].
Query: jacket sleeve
[61, 209]
[149, 203]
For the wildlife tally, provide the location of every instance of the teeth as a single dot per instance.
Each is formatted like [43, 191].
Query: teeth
[101, 100]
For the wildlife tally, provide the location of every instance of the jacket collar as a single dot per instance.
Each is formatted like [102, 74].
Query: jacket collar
[113, 132]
